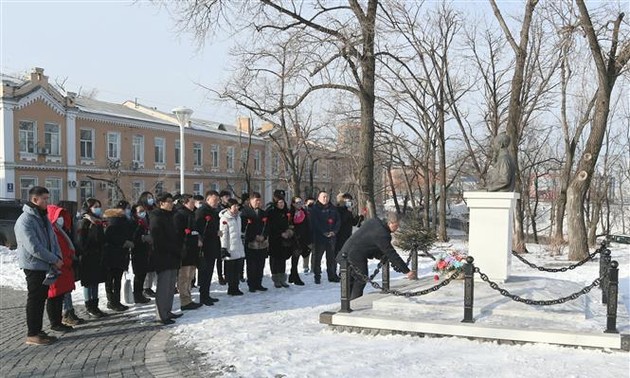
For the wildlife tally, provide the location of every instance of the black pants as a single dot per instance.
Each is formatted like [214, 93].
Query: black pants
[139, 266]
[295, 258]
[277, 264]
[233, 273]
[356, 285]
[255, 266]
[112, 284]
[331, 263]
[205, 270]
[219, 265]
[53, 309]
[35, 300]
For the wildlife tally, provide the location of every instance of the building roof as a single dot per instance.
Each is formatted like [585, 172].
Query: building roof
[90, 105]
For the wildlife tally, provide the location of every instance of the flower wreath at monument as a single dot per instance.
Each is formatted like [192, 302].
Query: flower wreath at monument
[449, 262]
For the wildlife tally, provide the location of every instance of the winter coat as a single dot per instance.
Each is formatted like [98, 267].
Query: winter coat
[207, 224]
[65, 282]
[302, 225]
[141, 248]
[372, 241]
[118, 230]
[281, 235]
[324, 219]
[255, 224]
[231, 235]
[346, 221]
[167, 254]
[91, 242]
[37, 244]
[187, 236]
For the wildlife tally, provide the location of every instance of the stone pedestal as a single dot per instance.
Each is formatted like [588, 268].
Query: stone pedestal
[490, 232]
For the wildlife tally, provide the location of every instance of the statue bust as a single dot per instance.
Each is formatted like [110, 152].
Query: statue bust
[501, 172]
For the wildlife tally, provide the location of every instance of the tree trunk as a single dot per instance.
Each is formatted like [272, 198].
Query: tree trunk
[393, 188]
[561, 201]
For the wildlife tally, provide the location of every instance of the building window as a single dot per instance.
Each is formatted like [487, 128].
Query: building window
[214, 153]
[257, 161]
[160, 145]
[244, 157]
[113, 146]
[177, 157]
[214, 186]
[315, 169]
[230, 158]
[87, 143]
[137, 187]
[27, 137]
[257, 187]
[26, 183]
[197, 154]
[54, 187]
[138, 149]
[275, 163]
[86, 190]
[159, 187]
[197, 188]
[51, 139]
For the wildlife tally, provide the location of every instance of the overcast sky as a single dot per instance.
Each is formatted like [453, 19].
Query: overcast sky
[124, 50]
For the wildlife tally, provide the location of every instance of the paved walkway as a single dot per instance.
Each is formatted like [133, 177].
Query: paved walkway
[117, 346]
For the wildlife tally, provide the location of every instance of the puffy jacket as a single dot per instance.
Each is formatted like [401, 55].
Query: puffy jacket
[324, 219]
[37, 244]
[207, 224]
[231, 238]
[167, 254]
[91, 242]
[65, 282]
[119, 230]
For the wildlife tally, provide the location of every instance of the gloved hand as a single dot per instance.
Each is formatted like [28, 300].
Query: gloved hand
[225, 253]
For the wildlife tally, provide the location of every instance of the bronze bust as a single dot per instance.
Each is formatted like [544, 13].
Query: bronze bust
[501, 173]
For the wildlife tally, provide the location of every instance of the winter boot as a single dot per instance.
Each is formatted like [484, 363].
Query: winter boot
[297, 280]
[138, 298]
[98, 310]
[276, 280]
[70, 318]
[92, 309]
[282, 277]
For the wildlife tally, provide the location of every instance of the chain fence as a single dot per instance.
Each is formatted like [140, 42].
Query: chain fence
[555, 270]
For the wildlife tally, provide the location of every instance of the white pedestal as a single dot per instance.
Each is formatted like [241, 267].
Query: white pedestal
[490, 232]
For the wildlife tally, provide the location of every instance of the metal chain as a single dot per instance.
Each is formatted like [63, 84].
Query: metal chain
[363, 278]
[549, 302]
[555, 270]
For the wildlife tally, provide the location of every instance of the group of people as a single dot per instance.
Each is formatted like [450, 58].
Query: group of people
[176, 242]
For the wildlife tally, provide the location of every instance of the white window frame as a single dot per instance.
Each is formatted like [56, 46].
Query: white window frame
[24, 189]
[197, 154]
[137, 187]
[257, 162]
[177, 154]
[113, 146]
[55, 188]
[214, 186]
[137, 149]
[53, 148]
[214, 153]
[29, 148]
[275, 163]
[86, 189]
[229, 158]
[197, 188]
[161, 150]
[84, 143]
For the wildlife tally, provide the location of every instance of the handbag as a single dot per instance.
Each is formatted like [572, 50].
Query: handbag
[128, 289]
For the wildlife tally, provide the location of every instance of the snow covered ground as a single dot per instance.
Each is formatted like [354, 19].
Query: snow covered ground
[277, 334]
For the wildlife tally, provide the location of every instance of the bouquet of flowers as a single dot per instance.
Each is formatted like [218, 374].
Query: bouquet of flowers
[449, 263]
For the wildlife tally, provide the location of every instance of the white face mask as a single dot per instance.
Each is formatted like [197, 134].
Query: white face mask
[198, 204]
[97, 211]
[150, 201]
[142, 215]
[59, 222]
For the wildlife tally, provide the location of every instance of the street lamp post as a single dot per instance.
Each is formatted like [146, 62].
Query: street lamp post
[183, 116]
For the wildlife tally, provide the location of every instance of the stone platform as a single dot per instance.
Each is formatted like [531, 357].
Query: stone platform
[580, 322]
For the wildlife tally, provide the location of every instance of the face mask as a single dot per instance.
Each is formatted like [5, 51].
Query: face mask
[59, 222]
[348, 203]
[142, 215]
[128, 213]
[198, 205]
[150, 202]
[97, 211]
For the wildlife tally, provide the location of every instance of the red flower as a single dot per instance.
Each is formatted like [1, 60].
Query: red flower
[331, 221]
[289, 216]
[436, 277]
[208, 218]
[224, 222]
[365, 211]
[249, 221]
[264, 220]
[187, 231]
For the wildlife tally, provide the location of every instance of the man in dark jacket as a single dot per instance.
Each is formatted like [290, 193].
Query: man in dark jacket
[38, 252]
[372, 241]
[189, 242]
[166, 257]
[325, 223]
[207, 224]
[347, 220]
[256, 231]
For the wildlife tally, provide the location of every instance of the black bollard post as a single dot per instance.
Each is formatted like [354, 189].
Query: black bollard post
[414, 262]
[385, 276]
[613, 290]
[604, 265]
[469, 290]
[345, 284]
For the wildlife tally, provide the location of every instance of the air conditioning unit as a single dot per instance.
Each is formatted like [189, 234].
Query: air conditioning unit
[43, 151]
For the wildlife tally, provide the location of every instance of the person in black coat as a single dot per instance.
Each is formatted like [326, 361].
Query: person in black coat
[256, 232]
[303, 236]
[207, 224]
[118, 245]
[325, 222]
[140, 252]
[280, 241]
[347, 220]
[372, 241]
[166, 257]
[147, 200]
[190, 244]
[90, 239]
